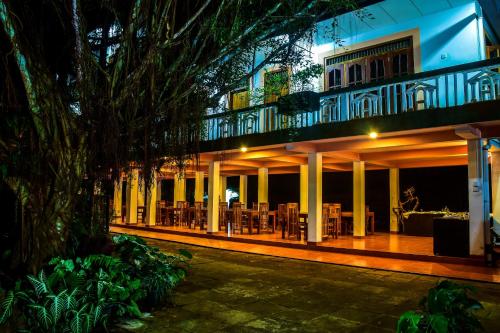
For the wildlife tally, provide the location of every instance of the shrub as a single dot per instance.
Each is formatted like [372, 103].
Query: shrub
[447, 308]
[83, 294]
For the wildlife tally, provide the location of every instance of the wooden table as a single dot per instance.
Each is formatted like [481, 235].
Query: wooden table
[370, 215]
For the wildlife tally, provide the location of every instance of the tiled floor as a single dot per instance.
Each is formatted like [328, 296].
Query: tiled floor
[451, 270]
[233, 292]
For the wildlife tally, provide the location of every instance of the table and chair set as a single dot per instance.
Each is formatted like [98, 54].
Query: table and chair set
[259, 219]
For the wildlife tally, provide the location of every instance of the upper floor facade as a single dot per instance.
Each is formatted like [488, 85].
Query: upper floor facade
[386, 61]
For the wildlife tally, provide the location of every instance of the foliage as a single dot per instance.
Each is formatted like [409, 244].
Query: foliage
[85, 293]
[447, 308]
[159, 273]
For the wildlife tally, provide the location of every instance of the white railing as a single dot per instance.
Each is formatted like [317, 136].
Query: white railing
[445, 88]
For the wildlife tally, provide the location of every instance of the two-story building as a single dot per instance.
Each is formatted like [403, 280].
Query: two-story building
[407, 84]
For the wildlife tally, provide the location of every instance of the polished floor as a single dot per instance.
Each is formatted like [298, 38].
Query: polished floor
[384, 242]
[450, 270]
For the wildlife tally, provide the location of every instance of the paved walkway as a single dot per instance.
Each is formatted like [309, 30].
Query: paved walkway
[238, 292]
[449, 270]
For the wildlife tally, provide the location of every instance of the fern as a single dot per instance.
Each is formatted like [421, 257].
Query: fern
[39, 284]
[42, 315]
[6, 306]
[58, 305]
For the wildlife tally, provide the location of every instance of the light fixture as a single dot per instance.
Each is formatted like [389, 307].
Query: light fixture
[244, 149]
[373, 135]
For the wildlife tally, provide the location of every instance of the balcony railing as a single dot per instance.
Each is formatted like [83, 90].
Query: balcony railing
[443, 88]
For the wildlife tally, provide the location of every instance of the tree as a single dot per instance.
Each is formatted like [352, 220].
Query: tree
[90, 87]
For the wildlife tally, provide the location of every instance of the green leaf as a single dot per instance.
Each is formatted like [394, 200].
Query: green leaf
[42, 315]
[6, 306]
[408, 322]
[439, 323]
[40, 284]
[133, 308]
[185, 253]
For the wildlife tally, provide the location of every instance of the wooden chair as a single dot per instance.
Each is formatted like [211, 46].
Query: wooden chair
[325, 222]
[335, 219]
[369, 221]
[281, 219]
[255, 206]
[263, 217]
[222, 215]
[141, 213]
[237, 218]
[293, 226]
[199, 218]
[181, 214]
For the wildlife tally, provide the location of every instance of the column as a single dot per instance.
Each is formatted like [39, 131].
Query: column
[213, 200]
[478, 195]
[315, 198]
[179, 188]
[393, 198]
[304, 179]
[495, 187]
[243, 189]
[359, 198]
[132, 188]
[141, 191]
[117, 200]
[222, 188]
[262, 185]
[199, 184]
[152, 198]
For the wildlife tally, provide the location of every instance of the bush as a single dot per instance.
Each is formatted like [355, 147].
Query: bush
[447, 308]
[83, 294]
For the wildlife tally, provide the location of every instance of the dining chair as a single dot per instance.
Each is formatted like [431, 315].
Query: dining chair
[293, 220]
[255, 206]
[199, 217]
[237, 218]
[335, 216]
[324, 220]
[263, 217]
[222, 215]
[141, 213]
[180, 216]
[281, 218]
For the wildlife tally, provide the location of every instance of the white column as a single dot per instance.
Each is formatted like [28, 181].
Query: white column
[315, 198]
[179, 188]
[141, 191]
[359, 198]
[213, 200]
[243, 189]
[393, 198]
[478, 195]
[304, 179]
[152, 199]
[495, 187]
[199, 183]
[222, 188]
[117, 200]
[262, 185]
[132, 186]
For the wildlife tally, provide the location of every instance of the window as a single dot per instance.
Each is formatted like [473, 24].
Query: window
[335, 77]
[373, 64]
[239, 99]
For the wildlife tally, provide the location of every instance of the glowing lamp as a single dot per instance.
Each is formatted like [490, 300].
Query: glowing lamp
[243, 149]
[373, 135]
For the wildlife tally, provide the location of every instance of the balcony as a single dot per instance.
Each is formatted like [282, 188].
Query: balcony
[445, 88]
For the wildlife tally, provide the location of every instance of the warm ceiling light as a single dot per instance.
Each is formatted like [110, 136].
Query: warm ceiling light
[373, 135]
[244, 149]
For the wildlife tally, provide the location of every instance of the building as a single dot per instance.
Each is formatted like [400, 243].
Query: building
[414, 84]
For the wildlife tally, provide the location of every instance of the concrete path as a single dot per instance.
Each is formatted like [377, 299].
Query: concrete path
[238, 292]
